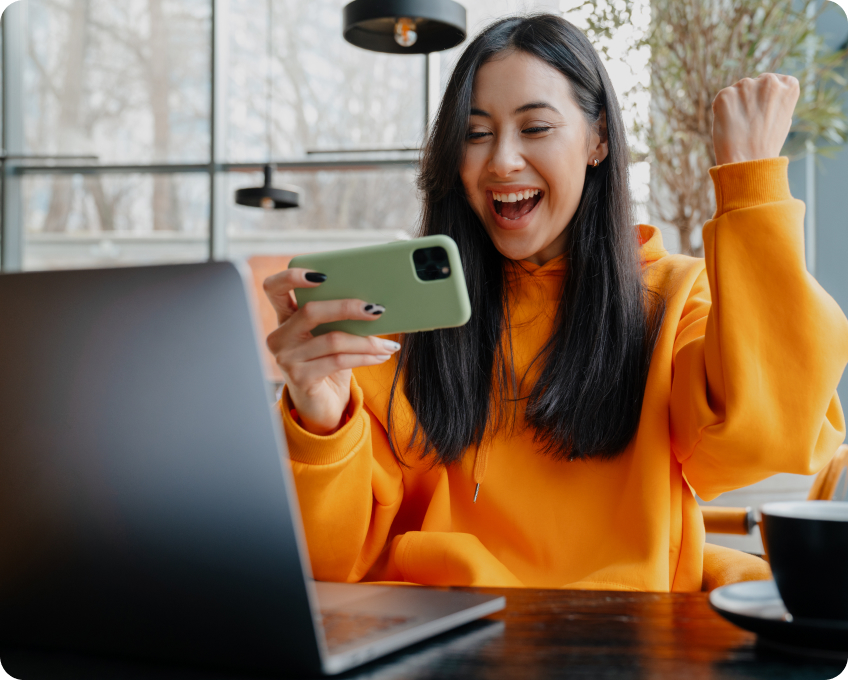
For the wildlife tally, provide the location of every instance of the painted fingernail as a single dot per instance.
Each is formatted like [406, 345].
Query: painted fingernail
[376, 310]
[384, 357]
[315, 277]
[390, 345]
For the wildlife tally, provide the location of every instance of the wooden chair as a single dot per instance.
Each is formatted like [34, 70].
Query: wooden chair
[831, 483]
[725, 565]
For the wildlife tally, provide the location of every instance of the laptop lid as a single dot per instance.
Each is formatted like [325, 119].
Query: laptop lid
[144, 506]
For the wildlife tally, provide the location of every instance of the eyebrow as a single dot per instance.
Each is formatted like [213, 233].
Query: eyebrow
[521, 109]
[536, 105]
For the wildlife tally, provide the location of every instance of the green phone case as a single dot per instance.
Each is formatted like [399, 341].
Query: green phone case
[386, 275]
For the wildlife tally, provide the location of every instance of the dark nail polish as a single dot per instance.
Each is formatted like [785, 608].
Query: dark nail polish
[368, 308]
[377, 312]
[315, 277]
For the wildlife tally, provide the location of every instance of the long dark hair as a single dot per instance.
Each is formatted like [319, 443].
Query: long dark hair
[587, 399]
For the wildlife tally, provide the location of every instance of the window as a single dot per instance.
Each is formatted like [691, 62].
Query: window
[326, 93]
[127, 82]
[73, 220]
[110, 149]
[330, 103]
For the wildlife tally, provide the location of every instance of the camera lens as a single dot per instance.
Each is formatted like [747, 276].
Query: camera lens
[431, 264]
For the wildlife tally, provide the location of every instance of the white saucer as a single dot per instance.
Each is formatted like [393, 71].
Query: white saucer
[756, 606]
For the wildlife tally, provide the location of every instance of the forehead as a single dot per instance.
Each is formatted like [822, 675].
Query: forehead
[509, 81]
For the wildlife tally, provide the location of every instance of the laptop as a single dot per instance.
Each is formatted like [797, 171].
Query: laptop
[147, 507]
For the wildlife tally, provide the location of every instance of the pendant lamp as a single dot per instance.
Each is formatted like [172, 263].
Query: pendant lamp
[404, 26]
[267, 196]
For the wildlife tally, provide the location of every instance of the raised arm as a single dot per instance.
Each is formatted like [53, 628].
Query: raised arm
[761, 346]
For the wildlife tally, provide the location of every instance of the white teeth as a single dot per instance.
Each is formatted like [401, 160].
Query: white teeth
[519, 196]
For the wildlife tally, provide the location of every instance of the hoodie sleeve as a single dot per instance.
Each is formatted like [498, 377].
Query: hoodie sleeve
[760, 347]
[349, 488]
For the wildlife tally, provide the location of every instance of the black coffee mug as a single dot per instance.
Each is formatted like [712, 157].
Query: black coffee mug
[807, 545]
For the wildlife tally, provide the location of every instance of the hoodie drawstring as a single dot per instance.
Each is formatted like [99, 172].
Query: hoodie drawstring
[480, 460]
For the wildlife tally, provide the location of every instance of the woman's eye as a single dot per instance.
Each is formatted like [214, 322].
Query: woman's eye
[477, 135]
[536, 130]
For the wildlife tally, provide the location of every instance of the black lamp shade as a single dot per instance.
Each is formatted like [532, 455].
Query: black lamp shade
[268, 196]
[370, 24]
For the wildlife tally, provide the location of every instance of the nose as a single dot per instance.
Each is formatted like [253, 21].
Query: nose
[506, 157]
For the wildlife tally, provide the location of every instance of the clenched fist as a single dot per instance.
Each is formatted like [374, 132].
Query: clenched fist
[751, 119]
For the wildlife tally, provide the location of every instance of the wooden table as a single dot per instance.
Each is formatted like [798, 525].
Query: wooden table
[549, 634]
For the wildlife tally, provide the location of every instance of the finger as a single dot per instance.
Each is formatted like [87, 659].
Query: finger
[296, 331]
[279, 287]
[338, 342]
[314, 314]
[314, 371]
[794, 87]
[727, 97]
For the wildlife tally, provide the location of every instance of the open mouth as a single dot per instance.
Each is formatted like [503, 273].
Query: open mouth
[517, 205]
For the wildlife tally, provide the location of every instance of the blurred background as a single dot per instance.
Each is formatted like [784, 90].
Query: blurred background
[128, 126]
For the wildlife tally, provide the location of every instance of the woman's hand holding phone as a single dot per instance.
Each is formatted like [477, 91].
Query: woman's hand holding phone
[317, 370]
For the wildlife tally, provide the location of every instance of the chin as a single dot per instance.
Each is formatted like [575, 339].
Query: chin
[515, 251]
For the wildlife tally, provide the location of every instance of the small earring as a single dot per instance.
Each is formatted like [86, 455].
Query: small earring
[595, 164]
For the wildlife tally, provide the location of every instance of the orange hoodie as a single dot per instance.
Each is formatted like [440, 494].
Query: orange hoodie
[741, 386]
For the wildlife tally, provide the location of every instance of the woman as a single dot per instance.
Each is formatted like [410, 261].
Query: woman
[557, 440]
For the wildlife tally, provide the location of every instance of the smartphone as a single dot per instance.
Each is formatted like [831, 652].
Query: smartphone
[420, 283]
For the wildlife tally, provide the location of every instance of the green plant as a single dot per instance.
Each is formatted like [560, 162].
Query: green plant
[699, 47]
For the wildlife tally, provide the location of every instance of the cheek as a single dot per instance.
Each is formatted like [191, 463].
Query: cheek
[565, 176]
[466, 175]
[470, 174]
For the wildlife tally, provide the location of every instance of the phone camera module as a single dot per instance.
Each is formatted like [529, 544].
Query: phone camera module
[431, 264]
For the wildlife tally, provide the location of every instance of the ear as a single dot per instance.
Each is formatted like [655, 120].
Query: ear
[598, 140]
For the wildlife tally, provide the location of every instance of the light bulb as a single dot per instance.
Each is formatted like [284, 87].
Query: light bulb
[268, 203]
[405, 34]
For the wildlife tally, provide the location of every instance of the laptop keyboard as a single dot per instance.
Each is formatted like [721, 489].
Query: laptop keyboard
[342, 628]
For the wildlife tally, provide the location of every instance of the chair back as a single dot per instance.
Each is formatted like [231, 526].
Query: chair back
[831, 483]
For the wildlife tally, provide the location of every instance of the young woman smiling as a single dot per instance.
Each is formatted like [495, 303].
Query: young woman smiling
[558, 439]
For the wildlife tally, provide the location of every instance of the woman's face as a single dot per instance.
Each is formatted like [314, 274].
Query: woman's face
[526, 155]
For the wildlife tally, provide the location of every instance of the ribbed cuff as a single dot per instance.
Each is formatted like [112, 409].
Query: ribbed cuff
[314, 449]
[750, 183]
